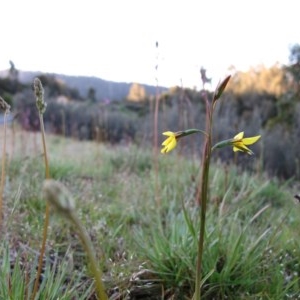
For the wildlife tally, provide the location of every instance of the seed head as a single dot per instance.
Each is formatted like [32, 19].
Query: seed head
[58, 196]
[39, 94]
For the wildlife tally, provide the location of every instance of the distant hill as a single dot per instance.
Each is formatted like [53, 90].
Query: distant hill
[104, 89]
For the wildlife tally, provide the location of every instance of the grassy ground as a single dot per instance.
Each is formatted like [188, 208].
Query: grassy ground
[143, 225]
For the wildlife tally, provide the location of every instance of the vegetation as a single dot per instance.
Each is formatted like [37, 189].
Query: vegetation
[251, 251]
[261, 100]
[136, 92]
[141, 210]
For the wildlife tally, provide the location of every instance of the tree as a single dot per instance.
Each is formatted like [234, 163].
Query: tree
[294, 67]
[260, 80]
[91, 95]
[13, 72]
[136, 93]
[204, 78]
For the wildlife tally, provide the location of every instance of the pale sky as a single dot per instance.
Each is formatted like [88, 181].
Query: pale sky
[115, 39]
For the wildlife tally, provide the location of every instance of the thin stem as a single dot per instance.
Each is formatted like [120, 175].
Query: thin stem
[42, 252]
[155, 124]
[202, 200]
[204, 193]
[47, 171]
[88, 247]
[3, 171]
[46, 222]
[155, 129]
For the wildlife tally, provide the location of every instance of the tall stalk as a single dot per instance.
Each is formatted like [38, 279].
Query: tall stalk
[41, 106]
[239, 143]
[202, 196]
[203, 192]
[4, 106]
[155, 131]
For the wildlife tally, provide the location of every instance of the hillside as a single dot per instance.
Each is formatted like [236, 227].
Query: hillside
[104, 89]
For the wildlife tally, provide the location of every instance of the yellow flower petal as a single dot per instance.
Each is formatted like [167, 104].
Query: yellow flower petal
[239, 136]
[251, 140]
[170, 143]
[163, 150]
[241, 147]
[168, 147]
[167, 141]
[169, 133]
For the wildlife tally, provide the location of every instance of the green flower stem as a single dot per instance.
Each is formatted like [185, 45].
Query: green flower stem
[47, 171]
[203, 195]
[88, 247]
[3, 170]
[47, 212]
[180, 134]
[222, 144]
[203, 200]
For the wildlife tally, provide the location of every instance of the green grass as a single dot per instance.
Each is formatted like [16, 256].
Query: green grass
[58, 280]
[252, 248]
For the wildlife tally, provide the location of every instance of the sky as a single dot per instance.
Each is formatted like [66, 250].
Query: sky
[116, 39]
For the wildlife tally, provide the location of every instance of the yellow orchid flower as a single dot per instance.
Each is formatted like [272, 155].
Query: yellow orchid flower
[170, 143]
[240, 143]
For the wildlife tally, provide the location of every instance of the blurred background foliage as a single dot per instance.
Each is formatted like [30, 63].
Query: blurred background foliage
[262, 101]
